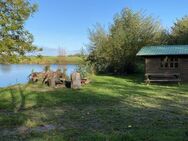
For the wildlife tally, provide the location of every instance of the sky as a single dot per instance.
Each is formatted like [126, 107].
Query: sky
[65, 23]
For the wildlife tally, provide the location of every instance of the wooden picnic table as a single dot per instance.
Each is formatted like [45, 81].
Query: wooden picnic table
[162, 77]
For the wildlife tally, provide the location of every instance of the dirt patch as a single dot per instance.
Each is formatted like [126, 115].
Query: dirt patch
[25, 130]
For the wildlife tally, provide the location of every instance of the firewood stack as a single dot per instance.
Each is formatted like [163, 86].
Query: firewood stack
[49, 78]
[58, 79]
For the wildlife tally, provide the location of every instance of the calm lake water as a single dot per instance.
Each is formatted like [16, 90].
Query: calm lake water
[18, 73]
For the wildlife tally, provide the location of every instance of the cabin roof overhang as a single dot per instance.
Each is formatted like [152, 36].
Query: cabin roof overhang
[167, 50]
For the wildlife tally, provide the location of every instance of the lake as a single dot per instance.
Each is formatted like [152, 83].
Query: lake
[18, 73]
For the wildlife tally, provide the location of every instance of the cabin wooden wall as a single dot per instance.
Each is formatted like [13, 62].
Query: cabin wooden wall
[184, 69]
[153, 65]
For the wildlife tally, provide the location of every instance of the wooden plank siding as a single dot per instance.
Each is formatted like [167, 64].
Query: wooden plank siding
[153, 65]
[184, 69]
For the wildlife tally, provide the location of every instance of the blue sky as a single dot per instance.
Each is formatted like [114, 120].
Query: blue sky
[65, 23]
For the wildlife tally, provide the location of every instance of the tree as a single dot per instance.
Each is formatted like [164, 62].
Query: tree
[15, 40]
[98, 44]
[115, 50]
[61, 60]
[179, 33]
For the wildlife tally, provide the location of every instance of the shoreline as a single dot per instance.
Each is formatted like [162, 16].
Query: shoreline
[52, 60]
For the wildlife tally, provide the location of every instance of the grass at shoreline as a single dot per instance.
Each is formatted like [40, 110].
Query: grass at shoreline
[51, 60]
[110, 108]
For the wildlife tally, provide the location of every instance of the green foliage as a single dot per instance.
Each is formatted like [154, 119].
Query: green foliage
[84, 69]
[15, 40]
[98, 48]
[115, 50]
[46, 68]
[179, 34]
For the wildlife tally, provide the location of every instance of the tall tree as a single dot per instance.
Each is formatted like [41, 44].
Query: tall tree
[179, 33]
[15, 40]
[98, 48]
[131, 31]
[115, 50]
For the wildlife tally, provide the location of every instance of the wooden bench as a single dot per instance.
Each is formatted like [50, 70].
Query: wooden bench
[162, 77]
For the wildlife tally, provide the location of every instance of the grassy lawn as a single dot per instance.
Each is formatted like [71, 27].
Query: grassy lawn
[109, 109]
[51, 60]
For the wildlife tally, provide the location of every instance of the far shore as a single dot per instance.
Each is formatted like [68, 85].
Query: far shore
[52, 60]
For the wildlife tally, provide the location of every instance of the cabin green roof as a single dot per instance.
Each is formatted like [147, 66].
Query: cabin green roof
[163, 50]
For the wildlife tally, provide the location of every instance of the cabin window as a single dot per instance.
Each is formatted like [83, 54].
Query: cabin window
[169, 62]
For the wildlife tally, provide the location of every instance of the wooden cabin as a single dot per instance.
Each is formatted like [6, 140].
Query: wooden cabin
[165, 63]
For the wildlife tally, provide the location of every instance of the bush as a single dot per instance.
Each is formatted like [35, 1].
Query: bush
[85, 70]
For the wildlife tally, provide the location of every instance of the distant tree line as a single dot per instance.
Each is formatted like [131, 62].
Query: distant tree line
[114, 50]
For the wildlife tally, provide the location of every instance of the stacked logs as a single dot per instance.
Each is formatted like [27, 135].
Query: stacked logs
[54, 79]
[49, 78]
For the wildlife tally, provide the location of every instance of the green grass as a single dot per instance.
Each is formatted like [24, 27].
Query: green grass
[109, 109]
[52, 60]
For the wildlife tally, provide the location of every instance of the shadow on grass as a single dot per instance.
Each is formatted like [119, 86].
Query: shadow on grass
[12, 115]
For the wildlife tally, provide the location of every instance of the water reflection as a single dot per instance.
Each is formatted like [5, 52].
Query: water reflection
[5, 68]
